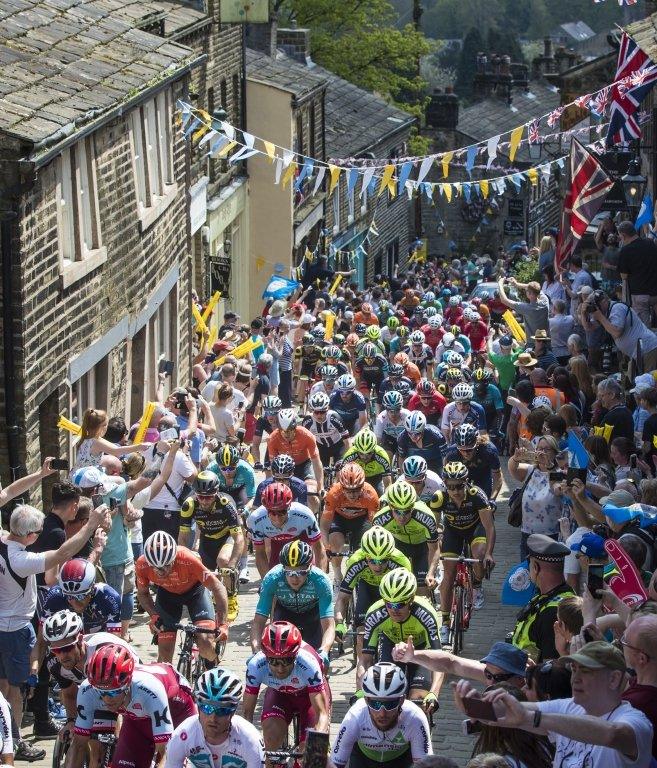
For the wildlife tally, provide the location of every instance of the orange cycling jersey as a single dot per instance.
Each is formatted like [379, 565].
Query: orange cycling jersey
[412, 372]
[187, 572]
[336, 502]
[302, 447]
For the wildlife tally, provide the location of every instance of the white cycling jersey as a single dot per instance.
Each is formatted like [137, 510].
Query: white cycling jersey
[242, 749]
[383, 427]
[66, 677]
[410, 731]
[432, 483]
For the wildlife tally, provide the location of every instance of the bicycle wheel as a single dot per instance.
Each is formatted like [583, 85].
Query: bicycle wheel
[468, 598]
[198, 668]
[457, 620]
[185, 663]
[60, 749]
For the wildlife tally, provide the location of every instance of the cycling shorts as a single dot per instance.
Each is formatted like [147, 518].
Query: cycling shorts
[286, 705]
[352, 528]
[366, 596]
[454, 539]
[304, 471]
[208, 549]
[418, 554]
[417, 676]
[308, 623]
[360, 760]
[328, 452]
[135, 747]
[170, 606]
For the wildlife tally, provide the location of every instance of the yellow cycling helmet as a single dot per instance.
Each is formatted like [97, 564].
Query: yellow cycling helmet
[398, 586]
[401, 495]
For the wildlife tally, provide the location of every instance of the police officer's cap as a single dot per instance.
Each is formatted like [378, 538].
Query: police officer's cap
[545, 549]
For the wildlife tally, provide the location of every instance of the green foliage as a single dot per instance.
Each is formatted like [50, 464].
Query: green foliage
[526, 271]
[502, 41]
[465, 70]
[418, 145]
[358, 40]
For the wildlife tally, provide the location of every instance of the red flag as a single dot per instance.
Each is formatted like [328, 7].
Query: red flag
[588, 184]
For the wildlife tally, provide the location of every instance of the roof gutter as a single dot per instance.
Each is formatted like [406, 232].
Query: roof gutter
[400, 127]
[47, 149]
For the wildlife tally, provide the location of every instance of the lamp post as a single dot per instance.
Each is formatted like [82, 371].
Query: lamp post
[633, 185]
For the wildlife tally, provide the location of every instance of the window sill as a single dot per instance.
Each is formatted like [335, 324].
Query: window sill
[73, 271]
[148, 216]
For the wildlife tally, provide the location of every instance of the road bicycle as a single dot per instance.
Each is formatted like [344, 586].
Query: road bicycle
[63, 743]
[191, 664]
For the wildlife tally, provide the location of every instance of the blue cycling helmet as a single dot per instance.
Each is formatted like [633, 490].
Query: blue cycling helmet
[414, 468]
[218, 686]
[415, 422]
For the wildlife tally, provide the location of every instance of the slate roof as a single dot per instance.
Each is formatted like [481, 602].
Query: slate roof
[577, 30]
[176, 17]
[356, 119]
[64, 61]
[284, 73]
[644, 32]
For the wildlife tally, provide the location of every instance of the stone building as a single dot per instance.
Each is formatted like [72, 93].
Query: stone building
[95, 242]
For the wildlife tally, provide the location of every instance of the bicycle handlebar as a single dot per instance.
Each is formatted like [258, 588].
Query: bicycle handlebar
[192, 629]
[461, 559]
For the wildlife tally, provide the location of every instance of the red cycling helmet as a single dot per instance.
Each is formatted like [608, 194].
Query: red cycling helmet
[426, 388]
[281, 639]
[111, 667]
[277, 497]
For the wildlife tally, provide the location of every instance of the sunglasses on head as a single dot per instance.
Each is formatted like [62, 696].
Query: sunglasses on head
[397, 605]
[113, 694]
[388, 704]
[63, 648]
[285, 662]
[217, 709]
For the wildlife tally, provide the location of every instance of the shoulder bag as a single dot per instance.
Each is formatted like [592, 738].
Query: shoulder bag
[515, 503]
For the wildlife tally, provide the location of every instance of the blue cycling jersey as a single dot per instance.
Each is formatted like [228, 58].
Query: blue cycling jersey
[432, 449]
[481, 465]
[244, 479]
[350, 410]
[316, 591]
[103, 614]
[298, 488]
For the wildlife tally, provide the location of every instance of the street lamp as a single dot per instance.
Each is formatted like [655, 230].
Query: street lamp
[633, 185]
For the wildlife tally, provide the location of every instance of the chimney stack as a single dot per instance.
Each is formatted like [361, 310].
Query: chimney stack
[295, 43]
[262, 37]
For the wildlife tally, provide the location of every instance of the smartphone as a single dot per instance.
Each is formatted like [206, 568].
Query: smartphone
[468, 727]
[61, 464]
[97, 500]
[166, 367]
[169, 434]
[633, 461]
[595, 580]
[113, 503]
[478, 709]
[576, 473]
[557, 477]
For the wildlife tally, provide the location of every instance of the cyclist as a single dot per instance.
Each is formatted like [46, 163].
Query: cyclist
[389, 330]
[423, 480]
[221, 539]
[414, 527]
[429, 402]
[468, 518]
[433, 332]
[401, 613]
[367, 453]
[420, 353]
[411, 371]
[422, 439]
[398, 341]
[303, 596]
[152, 698]
[265, 424]
[390, 422]
[299, 443]
[69, 651]
[393, 380]
[182, 581]
[327, 428]
[477, 331]
[328, 376]
[278, 521]
[307, 356]
[98, 605]
[236, 476]
[216, 736]
[480, 456]
[282, 471]
[332, 355]
[364, 570]
[370, 368]
[292, 672]
[454, 310]
[382, 728]
[449, 344]
[349, 404]
[372, 335]
[462, 410]
[348, 509]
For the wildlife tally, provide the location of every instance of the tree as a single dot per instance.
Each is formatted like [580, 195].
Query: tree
[467, 65]
[502, 42]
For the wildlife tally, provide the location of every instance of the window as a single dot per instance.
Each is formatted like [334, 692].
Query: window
[152, 146]
[311, 132]
[236, 100]
[77, 193]
[91, 390]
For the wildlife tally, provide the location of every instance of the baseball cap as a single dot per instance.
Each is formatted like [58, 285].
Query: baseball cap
[619, 498]
[92, 477]
[507, 657]
[506, 341]
[599, 655]
[590, 545]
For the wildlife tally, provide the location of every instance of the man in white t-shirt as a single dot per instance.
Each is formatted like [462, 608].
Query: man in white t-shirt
[593, 729]
[18, 593]
[228, 374]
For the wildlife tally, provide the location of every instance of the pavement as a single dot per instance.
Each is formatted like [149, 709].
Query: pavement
[489, 624]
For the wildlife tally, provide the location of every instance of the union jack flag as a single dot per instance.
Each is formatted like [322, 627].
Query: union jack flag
[638, 74]
[582, 101]
[600, 102]
[620, 2]
[553, 117]
[533, 134]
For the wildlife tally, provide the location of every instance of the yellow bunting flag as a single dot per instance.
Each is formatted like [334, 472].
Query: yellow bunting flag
[387, 177]
[225, 150]
[69, 426]
[483, 186]
[200, 322]
[335, 177]
[447, 189]
[516, 135]
[335, 285]
[330, 322]
[446, 160]
[289, 173]
[270, 149]
[532, 175]
[145, 420]
[211, 305]
[242, 351]
[514, 326]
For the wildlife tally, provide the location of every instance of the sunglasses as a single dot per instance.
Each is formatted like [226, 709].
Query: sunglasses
[455, 487]
[375, 560]
[271, 413]
[388, 704]
[296, 572]
[396, 606]
[499, 678]
[113, 694]
[80, 596]
[63, 648]
[205, 496]
[229, 470]
[218, 710]
[317, 413]
[401, 512]
[286, 662]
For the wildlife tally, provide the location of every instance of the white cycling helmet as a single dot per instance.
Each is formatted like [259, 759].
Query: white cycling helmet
[77, 577]
[62, 626]
[319, 401]
[415, 422]
[287, 418]
[160, 549]
[462, 393]
[384, 680]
